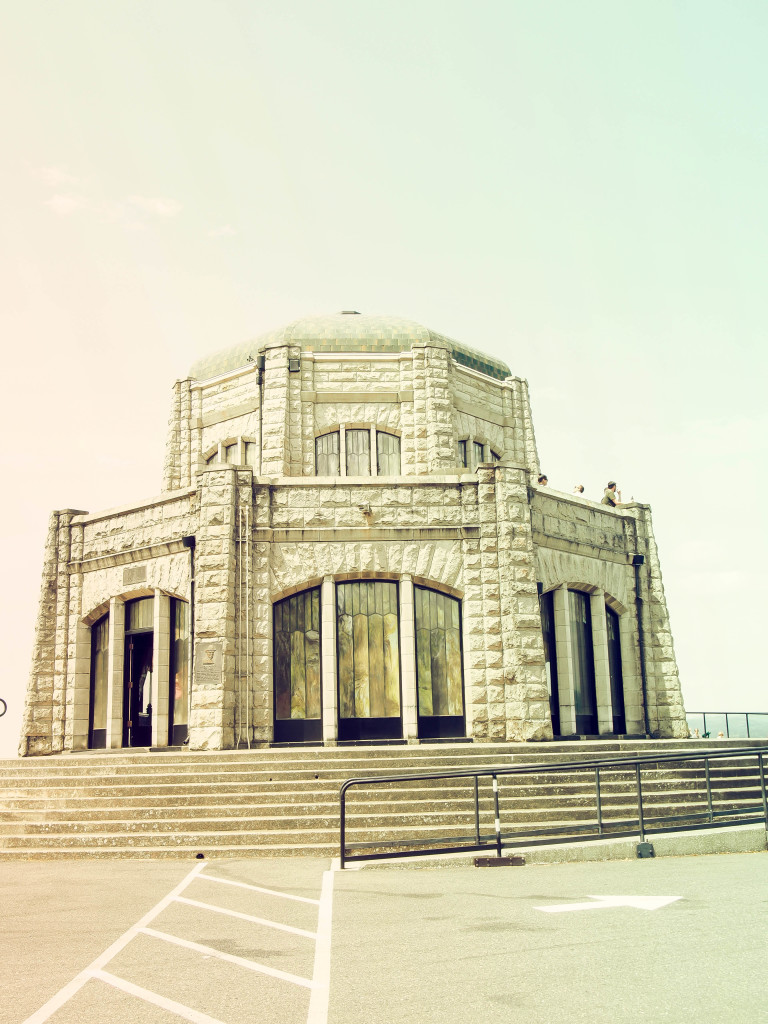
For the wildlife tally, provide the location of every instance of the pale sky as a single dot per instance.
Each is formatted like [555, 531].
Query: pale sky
[577, 188]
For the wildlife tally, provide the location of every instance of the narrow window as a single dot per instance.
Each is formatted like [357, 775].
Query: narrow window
[179, 669]
[250, 453]
[211, 459]
[582, 657]
[97, 725]
[495, 457]
[358, 452]
[327, 454]
[550, 657]
[298, 705]
[477, 450]
[230, 452]
[462, 453]
[387, 454]
[614, 668]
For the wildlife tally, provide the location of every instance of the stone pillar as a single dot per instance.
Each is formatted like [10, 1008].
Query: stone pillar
[330, 701]
[78, 653]
[433, 408]
[161, 667]
[630, 671]
[211, 723]
[172, 462]
[602, 665]
[263, 693]
[281, 416]
[522, 670]
[115, 673]
[36, 731]
[666, 712]
[564, 662]
[409, 687]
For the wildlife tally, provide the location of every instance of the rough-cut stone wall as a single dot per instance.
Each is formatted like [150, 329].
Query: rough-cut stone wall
[211, 724]
[580, 543]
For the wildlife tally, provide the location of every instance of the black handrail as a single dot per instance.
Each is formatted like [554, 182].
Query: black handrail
[640, 825]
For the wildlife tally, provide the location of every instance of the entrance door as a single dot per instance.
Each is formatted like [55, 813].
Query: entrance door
[137, 701]
[368, 658]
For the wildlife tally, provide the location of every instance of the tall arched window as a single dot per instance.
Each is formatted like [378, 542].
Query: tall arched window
[614, 668]
[327, 454]
[583, 661]
[97, 713]
[298, 704]
[439, 678]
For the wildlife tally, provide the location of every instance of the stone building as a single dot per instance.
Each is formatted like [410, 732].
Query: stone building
[350, 545]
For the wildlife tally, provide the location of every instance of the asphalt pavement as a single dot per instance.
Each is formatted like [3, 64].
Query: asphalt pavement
[291, 941]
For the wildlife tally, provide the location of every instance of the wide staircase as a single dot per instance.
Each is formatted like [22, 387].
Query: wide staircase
[285, 801]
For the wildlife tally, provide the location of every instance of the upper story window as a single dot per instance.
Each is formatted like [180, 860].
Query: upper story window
[472, 453]
[238, 452]
[351, 448]
[387, 454]
[358, 443]
[327, 454]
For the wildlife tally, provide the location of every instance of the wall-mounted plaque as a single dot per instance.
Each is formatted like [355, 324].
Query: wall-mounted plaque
[208, 663]
[134, 574]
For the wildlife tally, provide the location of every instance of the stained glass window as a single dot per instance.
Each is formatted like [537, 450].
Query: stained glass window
[99, 661]
[327, 454]
[614, 668]
[297, 656]
[387, 454]
[139, 614]
[583, 661]
[368, 649]
[438, 653]
[550, 657]
[358, 443]
[179, 666]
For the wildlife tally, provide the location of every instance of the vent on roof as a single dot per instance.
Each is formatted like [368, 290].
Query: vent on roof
[349, 312]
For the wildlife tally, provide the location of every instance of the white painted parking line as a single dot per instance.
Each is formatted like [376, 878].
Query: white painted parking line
[66, 993]
[186, 1012]
[321, 974]
[247, 917]
[605, 902]
[257, 888]
[251, 965]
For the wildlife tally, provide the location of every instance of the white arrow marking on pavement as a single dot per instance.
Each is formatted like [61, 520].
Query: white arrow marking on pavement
[603, 902]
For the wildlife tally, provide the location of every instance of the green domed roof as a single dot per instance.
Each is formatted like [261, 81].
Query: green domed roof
[346, 332]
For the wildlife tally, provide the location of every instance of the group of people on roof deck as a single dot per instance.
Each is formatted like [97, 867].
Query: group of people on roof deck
[611, 496]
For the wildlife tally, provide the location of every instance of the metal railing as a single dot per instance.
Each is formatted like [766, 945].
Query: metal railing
[600, 806]
[733, 724]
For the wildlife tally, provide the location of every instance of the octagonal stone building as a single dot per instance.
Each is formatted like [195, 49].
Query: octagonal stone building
[350, 546]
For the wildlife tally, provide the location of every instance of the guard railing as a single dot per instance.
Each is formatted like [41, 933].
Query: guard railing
[484, 810]
[732, 724]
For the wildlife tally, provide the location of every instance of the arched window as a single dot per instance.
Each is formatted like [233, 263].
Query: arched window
[298, 704]
[439, 678]
[327, 454]
[358, 445]
[614, 668]
[97, 714]
[387, 454]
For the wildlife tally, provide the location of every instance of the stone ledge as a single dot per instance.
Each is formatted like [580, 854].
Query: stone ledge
[119, 510]
[125, 557]
[356, 535]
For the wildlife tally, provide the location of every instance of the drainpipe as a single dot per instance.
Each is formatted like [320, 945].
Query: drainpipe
[260, 361]
[637, 561]
[189, 542]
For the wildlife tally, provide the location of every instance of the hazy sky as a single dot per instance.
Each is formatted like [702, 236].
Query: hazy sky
[576, 187]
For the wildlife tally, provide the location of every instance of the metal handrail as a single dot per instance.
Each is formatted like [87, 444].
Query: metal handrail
[641, 825]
